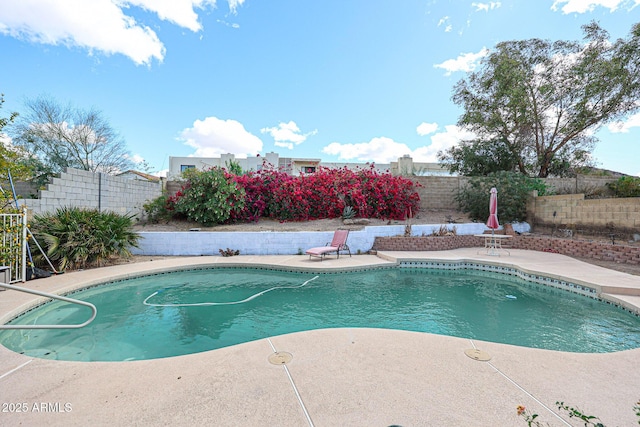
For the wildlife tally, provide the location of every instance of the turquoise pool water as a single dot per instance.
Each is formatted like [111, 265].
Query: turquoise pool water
[462, 303]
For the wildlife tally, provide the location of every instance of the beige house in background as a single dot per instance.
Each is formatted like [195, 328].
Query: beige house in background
[295, 166]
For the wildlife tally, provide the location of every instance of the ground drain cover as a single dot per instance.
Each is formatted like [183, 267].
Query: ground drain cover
[280, 358]
[479, 355]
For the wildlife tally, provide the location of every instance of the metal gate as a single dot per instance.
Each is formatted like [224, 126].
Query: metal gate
[13, 246]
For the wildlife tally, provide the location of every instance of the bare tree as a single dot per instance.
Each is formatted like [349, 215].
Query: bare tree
[65, 136]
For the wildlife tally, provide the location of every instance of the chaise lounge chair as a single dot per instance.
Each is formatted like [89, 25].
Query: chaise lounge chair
[338, 243]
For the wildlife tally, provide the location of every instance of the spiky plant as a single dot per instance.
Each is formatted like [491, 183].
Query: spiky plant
[77, 238]
[348, 212]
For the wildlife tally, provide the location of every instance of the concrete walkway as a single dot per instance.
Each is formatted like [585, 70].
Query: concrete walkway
[336, 377]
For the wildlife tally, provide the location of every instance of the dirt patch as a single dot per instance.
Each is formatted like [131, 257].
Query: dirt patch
[623, 267]
[426, 217]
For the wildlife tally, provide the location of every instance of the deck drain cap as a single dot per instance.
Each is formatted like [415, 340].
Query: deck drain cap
[479, 355]
[280, 358]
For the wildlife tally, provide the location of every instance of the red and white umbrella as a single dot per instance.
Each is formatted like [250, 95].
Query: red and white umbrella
[492, 222]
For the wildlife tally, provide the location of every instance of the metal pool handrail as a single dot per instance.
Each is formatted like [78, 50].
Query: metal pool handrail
[52, 296]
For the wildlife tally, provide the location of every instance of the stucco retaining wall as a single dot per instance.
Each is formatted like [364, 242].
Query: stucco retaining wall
[281, 243]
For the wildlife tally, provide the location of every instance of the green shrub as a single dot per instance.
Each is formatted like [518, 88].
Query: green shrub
[159, 209]
[513, 192]
[626, 186]
[209, 197]
[7, 204]
[77, 238]
[233, 167]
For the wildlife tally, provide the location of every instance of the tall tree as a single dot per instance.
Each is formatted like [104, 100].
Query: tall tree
[12, 158]
[479, 158]
[65, 136]
[4, 121]
[543, 101]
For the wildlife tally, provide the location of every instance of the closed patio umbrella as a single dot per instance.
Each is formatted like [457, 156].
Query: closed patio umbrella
[492, 222]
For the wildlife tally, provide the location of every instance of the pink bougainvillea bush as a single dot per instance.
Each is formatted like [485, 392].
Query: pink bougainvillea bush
[322, 194]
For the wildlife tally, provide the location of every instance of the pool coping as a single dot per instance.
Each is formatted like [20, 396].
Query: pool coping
[337, 376]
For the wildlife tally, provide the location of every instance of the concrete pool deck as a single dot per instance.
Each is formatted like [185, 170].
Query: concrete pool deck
[350, 376]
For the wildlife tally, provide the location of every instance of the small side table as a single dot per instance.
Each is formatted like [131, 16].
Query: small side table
[493, 243]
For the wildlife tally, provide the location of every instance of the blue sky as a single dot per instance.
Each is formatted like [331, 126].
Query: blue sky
[357, 81]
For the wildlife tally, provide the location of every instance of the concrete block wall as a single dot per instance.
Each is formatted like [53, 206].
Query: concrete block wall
[573, 209]
[579, 184]
[438, 192]
[428, 243]
[90, 190]
[23, 189]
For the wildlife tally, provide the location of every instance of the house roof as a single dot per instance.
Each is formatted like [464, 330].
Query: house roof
[141, 174]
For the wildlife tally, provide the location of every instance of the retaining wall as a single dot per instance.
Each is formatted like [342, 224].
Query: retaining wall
[575, 248]
[196, 243]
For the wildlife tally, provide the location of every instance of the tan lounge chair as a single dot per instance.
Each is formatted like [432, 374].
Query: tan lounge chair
[338, 243]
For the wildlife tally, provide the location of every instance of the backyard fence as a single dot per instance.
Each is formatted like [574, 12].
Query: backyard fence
[84, 189]
[13, 247]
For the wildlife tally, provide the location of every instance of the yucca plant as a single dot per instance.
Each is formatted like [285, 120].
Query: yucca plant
[348, 212]
[77, 238]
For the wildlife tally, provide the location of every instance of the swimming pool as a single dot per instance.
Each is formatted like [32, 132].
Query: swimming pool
[463, 303]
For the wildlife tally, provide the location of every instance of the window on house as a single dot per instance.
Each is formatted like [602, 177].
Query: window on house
[185, 167]
[309, 169]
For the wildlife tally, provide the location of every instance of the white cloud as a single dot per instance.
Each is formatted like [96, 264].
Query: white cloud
[486, 6]
[446, 22]
[137, 159]
[441, 141]
[583, 6]
[228, 24]
[379, 150]
[234, 4]
[386, 150]
[464, 62]
[287, 134]
[624, 126]
[100, 25]
[179, 12]
[426, 128]
[212, 137]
